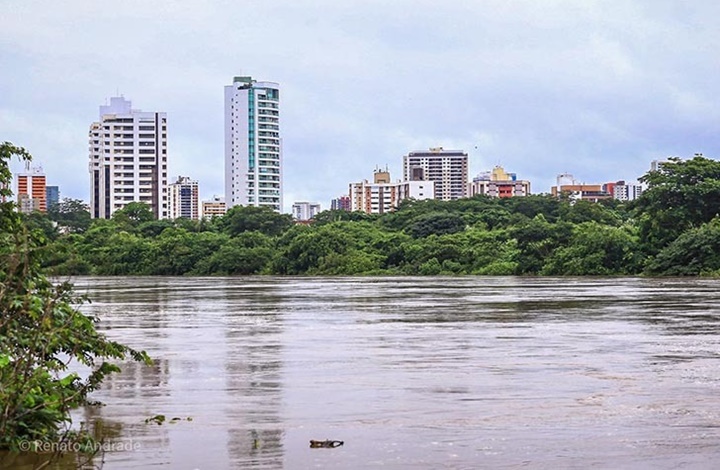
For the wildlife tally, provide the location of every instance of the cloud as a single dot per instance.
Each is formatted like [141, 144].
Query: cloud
[594, 88]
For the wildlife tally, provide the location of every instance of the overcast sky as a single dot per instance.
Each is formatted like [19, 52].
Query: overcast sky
[598, 89]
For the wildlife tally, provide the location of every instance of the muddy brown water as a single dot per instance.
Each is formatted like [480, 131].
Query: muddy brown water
[412, 372]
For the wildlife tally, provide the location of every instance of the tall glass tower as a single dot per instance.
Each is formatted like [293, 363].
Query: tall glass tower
[253, 153]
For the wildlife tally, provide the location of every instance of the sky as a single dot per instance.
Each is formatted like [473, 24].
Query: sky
[597, 89]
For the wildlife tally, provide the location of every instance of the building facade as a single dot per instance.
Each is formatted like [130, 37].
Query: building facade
[303, 211]
[623, 192]
[341, 203]
[382, 196]
[128, 160]
[215, 207]
[31, 191]
[567, 185]
[52, 195]
[627, 192]
[498, 183]
[183, 199]
[253, 153]
[447, 169]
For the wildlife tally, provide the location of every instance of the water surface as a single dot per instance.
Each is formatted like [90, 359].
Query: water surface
[413, 373]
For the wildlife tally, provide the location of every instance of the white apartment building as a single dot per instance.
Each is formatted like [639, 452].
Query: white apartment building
[128, 159]
[382, 196]
[253, 154]
[626, 192]
[183, 199]
[303, 211]
[447, 169]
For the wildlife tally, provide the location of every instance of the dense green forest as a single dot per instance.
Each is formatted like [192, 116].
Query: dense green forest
[673, 229]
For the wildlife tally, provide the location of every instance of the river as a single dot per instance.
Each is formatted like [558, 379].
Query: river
[412, 372]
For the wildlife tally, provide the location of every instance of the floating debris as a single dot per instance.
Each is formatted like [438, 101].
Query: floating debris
[327, 444]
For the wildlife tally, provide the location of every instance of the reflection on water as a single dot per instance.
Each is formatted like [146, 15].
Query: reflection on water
[413, 372]
[33, 461]
[253, 377]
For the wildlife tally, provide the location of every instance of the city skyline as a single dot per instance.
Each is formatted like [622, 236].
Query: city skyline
[596, 90]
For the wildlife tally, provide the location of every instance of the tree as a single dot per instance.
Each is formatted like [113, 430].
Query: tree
[154, 228]
[303, 250]
[537, 239]
[437, 223]
[263, 219]
[586, 211]
[126, 254]
[533, 205]
[133, 214]
[248, 253]
[72, 215]
[596, 249]
[37, 220]
[410, 209]
[41, 332]
[681, 195]
[181, 252]
[329, 216]
[695, 252]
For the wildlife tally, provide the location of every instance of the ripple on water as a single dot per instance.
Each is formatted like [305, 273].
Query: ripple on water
[410, 372]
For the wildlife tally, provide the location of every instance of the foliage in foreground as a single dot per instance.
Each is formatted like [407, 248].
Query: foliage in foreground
[42, 332]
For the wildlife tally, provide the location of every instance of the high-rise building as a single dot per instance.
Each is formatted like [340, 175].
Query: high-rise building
[128, 160]
[183, 199]
[52, 195]
[447, 169]
[382, 196]
[253, 154]
[303, 211]
[341, 203]
[31, 190]
[498, 183]
[215, 207]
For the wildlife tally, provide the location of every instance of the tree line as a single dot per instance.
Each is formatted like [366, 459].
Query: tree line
[672, 229]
